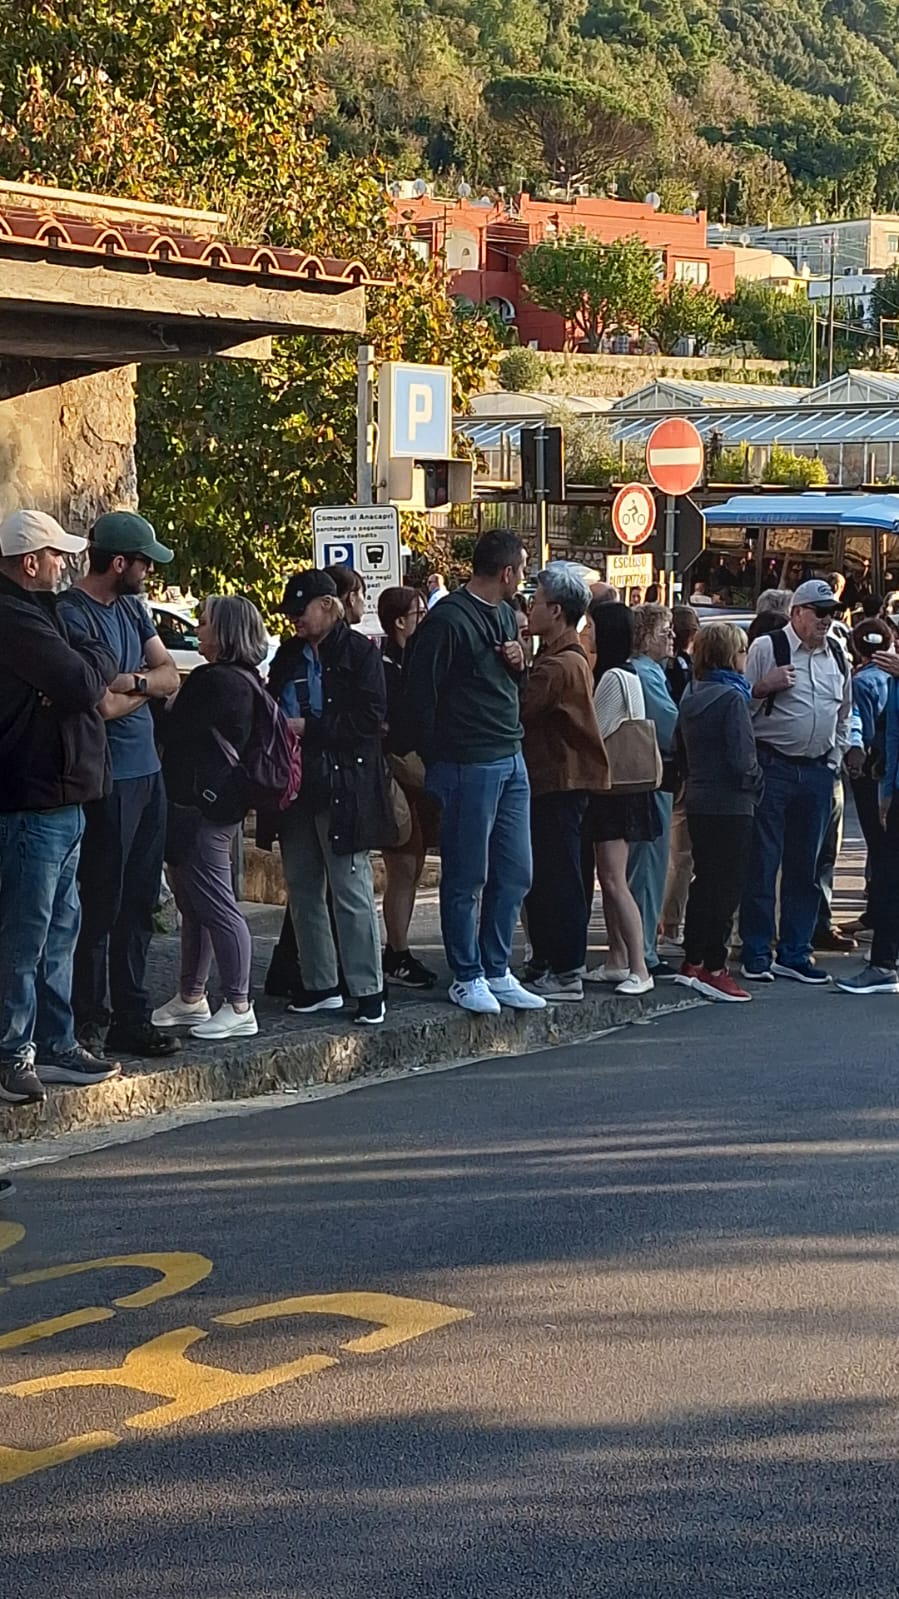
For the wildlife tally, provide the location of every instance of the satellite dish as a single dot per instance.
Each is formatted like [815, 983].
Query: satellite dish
[395, 188]
[464, 191]
[419, 187]
[745, 240]
[653, 199]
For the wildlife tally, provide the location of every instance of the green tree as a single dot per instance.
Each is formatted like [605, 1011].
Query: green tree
[596, 287]
[568, 131]
[688, 312]
[778, 325]
[195, 104]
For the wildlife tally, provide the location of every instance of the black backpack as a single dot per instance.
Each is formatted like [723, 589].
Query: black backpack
[780, 644]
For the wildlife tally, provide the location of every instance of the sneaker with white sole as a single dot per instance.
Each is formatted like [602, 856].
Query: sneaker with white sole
[79, 1068]
[557, 990]
[873, 980]
[181, 1012]
[607, 974]
[634, 985]
[475, 996]
[510, 992]
[314, 999]
[228, 1023]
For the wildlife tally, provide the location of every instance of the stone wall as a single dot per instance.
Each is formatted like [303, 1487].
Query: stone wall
[66, 440]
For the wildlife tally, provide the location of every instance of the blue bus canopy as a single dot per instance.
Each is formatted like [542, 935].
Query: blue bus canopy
[807, 510]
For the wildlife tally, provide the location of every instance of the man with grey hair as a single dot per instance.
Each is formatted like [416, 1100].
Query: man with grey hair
[52, 760]
[566, 762]
[779, 600]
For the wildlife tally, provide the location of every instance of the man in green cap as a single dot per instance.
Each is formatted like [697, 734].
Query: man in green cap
[121, 855]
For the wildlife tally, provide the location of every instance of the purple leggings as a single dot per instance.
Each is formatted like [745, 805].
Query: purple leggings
[211, 923]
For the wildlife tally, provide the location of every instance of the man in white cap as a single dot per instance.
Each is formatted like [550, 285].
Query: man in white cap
[801, 706]
[52, 760]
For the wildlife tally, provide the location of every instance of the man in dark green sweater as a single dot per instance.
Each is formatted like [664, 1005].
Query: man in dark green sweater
[462, 677]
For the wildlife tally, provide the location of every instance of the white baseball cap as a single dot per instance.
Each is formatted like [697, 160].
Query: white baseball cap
[26, 532]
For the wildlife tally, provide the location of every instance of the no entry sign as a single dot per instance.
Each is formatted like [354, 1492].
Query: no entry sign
[675, 456]
[633, 514]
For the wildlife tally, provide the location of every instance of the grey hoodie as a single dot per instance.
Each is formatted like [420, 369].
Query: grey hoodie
[714, 728]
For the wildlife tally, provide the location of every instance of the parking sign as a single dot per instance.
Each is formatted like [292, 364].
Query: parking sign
[366, 538]
[415, 410]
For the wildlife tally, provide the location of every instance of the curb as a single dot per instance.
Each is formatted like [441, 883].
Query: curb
[415, 1035]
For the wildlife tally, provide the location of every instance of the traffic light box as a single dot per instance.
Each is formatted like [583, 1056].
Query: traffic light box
[426, 485]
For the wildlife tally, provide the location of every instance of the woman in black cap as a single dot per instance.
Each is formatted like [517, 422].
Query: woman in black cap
[329, 681]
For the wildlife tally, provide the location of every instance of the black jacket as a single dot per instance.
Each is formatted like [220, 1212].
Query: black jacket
[344, 771]
[53, 748]
[217, 697]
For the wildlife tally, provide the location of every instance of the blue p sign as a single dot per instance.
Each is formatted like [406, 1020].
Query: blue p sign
[420, 401]
[339, 554]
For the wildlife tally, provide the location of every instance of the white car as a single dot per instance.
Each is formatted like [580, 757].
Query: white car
[177, 628]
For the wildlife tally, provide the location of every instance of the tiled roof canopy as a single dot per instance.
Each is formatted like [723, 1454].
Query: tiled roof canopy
[170, 253]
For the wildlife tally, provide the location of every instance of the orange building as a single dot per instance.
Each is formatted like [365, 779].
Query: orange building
[481, 245]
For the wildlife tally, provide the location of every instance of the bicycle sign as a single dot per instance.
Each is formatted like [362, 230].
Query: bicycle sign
[633, 514]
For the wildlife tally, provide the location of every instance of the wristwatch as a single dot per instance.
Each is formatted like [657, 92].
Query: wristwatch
[140, 684]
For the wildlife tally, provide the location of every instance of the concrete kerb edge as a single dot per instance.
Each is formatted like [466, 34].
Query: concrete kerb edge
[326, 1057]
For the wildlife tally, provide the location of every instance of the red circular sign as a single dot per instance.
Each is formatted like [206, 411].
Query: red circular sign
[675, 456]
[633, 514]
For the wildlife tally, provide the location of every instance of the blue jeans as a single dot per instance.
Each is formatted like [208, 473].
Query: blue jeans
[40, 915]
[790, 825]
[485, 847]
[647, 874]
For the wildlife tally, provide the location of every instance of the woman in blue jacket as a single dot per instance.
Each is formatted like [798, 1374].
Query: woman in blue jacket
[881, 975]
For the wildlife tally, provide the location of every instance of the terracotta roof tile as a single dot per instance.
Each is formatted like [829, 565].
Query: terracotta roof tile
[72, 237]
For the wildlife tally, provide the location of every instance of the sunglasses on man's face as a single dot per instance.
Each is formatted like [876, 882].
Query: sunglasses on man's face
[821, 611]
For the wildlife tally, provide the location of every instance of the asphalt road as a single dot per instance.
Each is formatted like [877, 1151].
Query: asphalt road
[677, 1378]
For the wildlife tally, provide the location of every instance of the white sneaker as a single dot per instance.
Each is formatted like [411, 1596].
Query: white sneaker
[228, 1023]
[178, 1011]
[557, 989]
[607, 974]
[509, 991]
[475, 996]
[633, 985]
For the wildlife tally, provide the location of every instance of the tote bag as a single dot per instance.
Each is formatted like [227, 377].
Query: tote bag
[635, 761]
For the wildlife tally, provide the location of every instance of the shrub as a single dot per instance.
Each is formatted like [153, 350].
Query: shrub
[730, 467]
[521, 370]
[791, 471]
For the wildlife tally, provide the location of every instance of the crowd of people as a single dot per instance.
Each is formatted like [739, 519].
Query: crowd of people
[695, 772]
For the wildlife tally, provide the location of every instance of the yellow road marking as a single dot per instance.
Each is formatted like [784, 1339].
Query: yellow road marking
[159, 1367]
[17, 1463]
[400, 1319]
[56, 1324]
[180, 1271]
[11, 1232]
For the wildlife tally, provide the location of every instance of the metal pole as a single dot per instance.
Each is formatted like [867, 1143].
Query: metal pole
[830, 319]
[670, 525]
[540, 493]
[365, 424]
[814, 347]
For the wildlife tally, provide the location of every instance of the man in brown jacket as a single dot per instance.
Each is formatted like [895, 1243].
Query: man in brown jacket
[566, 762]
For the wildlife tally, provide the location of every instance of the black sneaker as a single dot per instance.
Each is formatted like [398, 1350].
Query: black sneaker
[7, 1188]
[79, 1067]
[401, 966]
[662, 972]
[93, 1039]
[372, 1010]
[311, 999]
[141, 1039]
[20, 1085]
[801, 972]
[873, 980]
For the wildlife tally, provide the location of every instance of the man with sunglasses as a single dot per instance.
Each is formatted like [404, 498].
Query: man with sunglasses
[801, 710]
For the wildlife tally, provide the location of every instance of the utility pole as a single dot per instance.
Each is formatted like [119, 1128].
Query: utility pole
[830, 318]
[814, 346]
[365, 424]
[540, 491]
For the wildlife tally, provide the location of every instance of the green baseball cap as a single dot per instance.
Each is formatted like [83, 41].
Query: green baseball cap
[126, 533]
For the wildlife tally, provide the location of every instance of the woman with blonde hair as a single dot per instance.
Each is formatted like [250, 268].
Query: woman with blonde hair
[215, 704]
[724, 785]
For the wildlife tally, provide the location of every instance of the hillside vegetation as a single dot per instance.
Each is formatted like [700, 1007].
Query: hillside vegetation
[749, 108]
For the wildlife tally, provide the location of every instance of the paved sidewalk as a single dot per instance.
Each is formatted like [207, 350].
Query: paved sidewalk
[294, 1051]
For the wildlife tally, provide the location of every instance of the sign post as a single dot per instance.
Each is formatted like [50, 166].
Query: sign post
[366, 538]
[675, 457]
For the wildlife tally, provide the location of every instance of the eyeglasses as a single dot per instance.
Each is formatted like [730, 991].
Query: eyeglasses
[820, 610]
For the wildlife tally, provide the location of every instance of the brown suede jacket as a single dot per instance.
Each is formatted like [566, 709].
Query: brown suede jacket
[563, 749]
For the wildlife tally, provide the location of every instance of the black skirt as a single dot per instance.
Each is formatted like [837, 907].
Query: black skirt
[633, 817]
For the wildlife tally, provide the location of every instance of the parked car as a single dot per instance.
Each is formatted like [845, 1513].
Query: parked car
[177, 627]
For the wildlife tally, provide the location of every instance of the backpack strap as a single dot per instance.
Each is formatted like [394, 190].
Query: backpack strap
[780, 644]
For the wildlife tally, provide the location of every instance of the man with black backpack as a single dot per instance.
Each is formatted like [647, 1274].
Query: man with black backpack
[802, 705]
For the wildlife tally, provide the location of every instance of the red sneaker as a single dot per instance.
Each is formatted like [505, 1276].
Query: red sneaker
[719, 985]
[687, 975]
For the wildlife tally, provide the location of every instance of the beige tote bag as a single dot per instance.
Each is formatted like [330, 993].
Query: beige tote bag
[635, 761]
